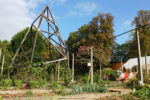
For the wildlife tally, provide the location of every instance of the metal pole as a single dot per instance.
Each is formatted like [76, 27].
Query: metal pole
[91, 65]
[73, 67]
[140, 72]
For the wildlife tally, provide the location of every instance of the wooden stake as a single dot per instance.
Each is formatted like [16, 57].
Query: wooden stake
[73, 67]
[146, 65]
[100, 77]
[0, 53]
[58, 71]
[3, 61]
[68, 60]
[140, 72]
[91, 65]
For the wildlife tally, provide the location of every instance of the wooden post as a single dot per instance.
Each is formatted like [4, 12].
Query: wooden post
[140, 72]
[100, 77]
[3, 61]
[68, 60]
[146, 65]
[0, 53]
[73, 67]
[121, 65]
[91, 65]
[58, 71]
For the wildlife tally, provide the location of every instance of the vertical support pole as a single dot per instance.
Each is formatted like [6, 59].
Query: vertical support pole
[35, 39]
[73, 67]
[146, 65]
[100, 70]
[58, 71]
[20, 46]
[68, 59]
[3, 61]
[140, 72]
[0, 53]
[91, 65]
[121, 65]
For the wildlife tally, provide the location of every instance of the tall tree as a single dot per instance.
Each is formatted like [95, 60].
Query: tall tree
[97, 33]
[142, 19]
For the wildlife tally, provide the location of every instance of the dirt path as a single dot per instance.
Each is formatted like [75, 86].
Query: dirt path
[39, 94]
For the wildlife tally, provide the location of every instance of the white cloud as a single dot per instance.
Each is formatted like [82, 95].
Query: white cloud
[86, 7]
[74, 13]
[53, 3]
[127, 22]
[15, 15]
[82, 8]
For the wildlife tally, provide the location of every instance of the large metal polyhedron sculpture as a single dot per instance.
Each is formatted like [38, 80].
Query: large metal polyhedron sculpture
[44, 25]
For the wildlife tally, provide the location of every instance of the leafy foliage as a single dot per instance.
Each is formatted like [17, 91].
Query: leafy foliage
[18, 83]
[96, 34]
[54, 85]
[6, 83]
[89, 88]
[142, 18]
[42, 83]
[142, 92]
[33, 84]
[109, 74]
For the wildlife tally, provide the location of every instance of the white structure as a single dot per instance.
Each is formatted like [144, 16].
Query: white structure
[134, 62]
[130, 64]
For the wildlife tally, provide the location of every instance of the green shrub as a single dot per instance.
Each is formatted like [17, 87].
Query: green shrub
[143, 93]
[42, 83]
[103, 82]
[84, 80]
[1, 98]
[89, 88]
[18, 83]
[6, 83]
[96, 77]
[127, 97]
[132, 83]
[54, 85]
[29, 93]
[111, 74]
[33, 84]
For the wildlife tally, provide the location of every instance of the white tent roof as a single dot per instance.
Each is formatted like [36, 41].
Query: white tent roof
[134, 62]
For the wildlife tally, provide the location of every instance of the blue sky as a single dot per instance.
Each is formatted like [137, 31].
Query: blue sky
[71, 14]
